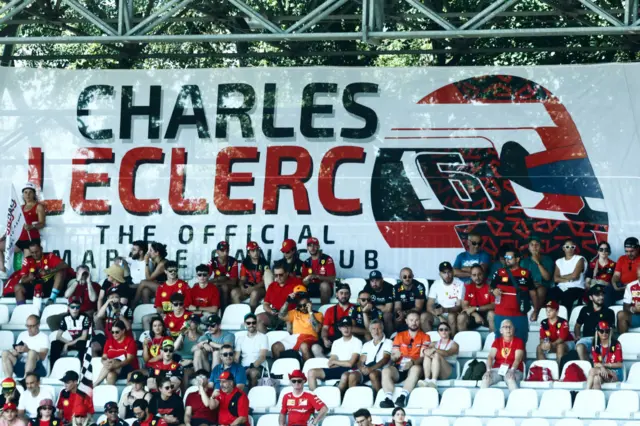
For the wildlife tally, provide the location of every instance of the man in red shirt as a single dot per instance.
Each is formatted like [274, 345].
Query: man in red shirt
[173, 285]
[85, 290]
[629, 316]
[166, 367]
[625, 270]
[478, 303]
[70, 397]
[175, 319]
[205, 297]
[277, 295]
[319, 272]
[223, 272]
[555, 336]
[506, 358]
[140, 409]
[298, 406]
[197, 411]
[232, 404]
[330, 331]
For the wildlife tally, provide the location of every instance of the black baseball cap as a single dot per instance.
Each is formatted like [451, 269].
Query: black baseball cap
[195, 318]
[113, 290]
[343, 286]
[212, 320]
[110, 406]
[596, 289]
[631, 242]
[345, 322]
[445, 266]
[138, 378]
[70, 376]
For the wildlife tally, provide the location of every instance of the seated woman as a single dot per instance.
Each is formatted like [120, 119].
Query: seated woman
[138, 391]
[152, 340]
[398, 418]
[120, 355]
[45, 415]
[439, 358]
[506, 359]
[607, 358]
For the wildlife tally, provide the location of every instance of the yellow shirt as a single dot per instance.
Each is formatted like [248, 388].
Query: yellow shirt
[301, 323]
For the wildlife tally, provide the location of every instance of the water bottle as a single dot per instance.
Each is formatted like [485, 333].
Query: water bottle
[546, 340]
[37, 297]
[497, 299]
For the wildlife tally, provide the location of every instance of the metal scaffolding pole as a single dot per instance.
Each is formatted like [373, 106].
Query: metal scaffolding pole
[492, 10]
[15, 11]
[9, 5]
[311, 15]
[431, 14]
[601, 12]
[259, 19]
[149, 19]
[504, 6]
[90, 17]
[168, 15]
[321, 16]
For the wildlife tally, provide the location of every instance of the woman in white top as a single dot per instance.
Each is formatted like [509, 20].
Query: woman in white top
[569, 277]
[439, 358]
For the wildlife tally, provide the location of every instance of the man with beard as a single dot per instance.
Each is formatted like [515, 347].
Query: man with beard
[252, 349]
[280, 292]
[330, 331]
[445, 299]
[134, 264]
[205, 297]
[70, 397]
[478, 303]
[111, 411]
[291, 260]
[409, 294]
[625, 273]
[319, 272]
[223, 272]
[541, 268]
[303, 325]
[230, 402]
[363, 314]
[473, 255]
[382, 297]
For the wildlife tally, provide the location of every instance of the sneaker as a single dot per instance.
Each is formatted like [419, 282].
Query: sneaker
[386, 403]
[432, 384]
[421, 383]
[401, 401]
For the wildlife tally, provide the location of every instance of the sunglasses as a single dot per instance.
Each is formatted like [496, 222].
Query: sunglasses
[278, 275]
[568, 247]
[74, 306]
[443, 329]
[604, 250]
[474, 243]
[204, 274]
[227, 354]
[508, 257]
[172, 271]
[177, 303]
[406, 277]
[212, 325]
[112, 412]
[167, 387]
[250, 323]
[604, 331]
[46, 408]
[116, 331]
[296, 381]
[364, 299]
[167, 350]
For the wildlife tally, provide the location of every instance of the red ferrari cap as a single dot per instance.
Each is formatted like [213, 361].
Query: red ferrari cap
[553, 305]
[297, 374]
[313, 241]
[252, 245]
[226, 376]
[288, 245]
[603, 325]
[9, 406]
[8, 383]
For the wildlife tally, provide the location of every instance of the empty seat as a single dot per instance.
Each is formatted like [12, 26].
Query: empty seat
[284, 367]
[330, 395]
[486, 403]
[337, 421]
[467, 421]
[603, 423]
[4, 314]
[143, 310]
[486, 347]
[575, 313]
[269, 420]
[434, 421]
[314, 363]
[554, 403]
[501, 422]
[276, 336]
[622, 404]
[6, 338]
[521, 403]
[633, 378]
[469, 342]
[587, 404]
[103, 394]
[49, 311]
[421, 400]
[630, 346]
[19, 317]
[259, 310]
[233, 317]
[96, 366]
[454, 402]
[61, 366]
[261, 398]
[355, 398]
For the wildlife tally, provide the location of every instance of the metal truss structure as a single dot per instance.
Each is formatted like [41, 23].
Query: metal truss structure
[370, 22]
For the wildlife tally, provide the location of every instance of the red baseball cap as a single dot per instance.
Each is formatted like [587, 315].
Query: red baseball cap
[226, 375]
[8, 383]
[297, 374]
[222, 246]
[603, 325]
[9, 406]
[553, 305]
[313, 241]
[252, 245]
[288, 245]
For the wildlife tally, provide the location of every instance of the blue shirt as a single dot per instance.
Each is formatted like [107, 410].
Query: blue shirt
[466, 260]
[237, 370]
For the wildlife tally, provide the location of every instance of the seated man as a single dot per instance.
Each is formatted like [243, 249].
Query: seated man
[251, 350]
[71, 397]
[629, 316]
[330, 331]
[303, 324]
[382, 297]
[206, 354]
[85, 290]
[588, 319]
[506, 358]
[409, 295]
[230, 402]
[374, 357]
[167, 367]
[319, 272]
[478, 303]
[345, 352]
[77, 326]
[30, 353]
[280, 292]
[205, 297]
[363, 314]
[555, 336]
[228, 365]
[445, 299]
[32, 396]
[175, 320]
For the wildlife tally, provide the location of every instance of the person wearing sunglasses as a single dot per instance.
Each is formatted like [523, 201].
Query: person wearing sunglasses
[569, 277]
[409, 295]
[290, 259]
[478, 304]
[625, 271]
[541, 267]
[439, 358]
[155, 265]
[629, 317]
[319, 272]
[555, 336]
[205, 297]
[588, 319]
[176, 319]
[172, 286]
[111, 311]
[251, 350]
[10, 415]
[330, 331]
[188, 338]
[45, 413]
[10, 392]
[83, 289]
[472, 256]
[304, 325]
[445, 299]
[382, 297]
[113, 419]
[230, 402]
[73, 332]
[138, 391]
[506, 358]
[167, 403]
[301, 408]
[167, 367]
[254, 275]
[607, 358]
[120, 355]
[206, 354]
[152, 340]
[280, 292]
[601, 270]
[362, 314]
[70, 398]
[229, 364]
[223, 272]
[143, 416]
[514, 293]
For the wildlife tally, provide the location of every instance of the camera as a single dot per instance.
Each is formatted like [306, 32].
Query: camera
[116, 305]
[437, 306]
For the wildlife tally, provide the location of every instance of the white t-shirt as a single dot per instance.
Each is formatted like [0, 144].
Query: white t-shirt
[447, 295]
[38, 343]
[30, 404]
[343, 350]
[371, 350]
[250, 347]
[567, 267]
[136, 269]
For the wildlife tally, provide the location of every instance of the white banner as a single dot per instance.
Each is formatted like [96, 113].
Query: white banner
[387, 167]
[15, 223]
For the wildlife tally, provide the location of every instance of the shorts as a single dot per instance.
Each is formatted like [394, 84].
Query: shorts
[454, 372]
[570, 345]
[587, 342]
[294, 341]
[201, 422]
[496, 378]
[619, 373]
[124, 372]
[40, 370]
[313, 289]
[473, 324]
[335, 373]
[635, 320]
[24, 244]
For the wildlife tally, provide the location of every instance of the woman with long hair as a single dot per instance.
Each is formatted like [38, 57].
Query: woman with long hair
[569, 277]
[154, 261]
[152, 340]
[601, 270]
[120, 356]
[45, 416]
[254, 275]
[399, 418]
[138, 391]
[439, 358]
[607, 358]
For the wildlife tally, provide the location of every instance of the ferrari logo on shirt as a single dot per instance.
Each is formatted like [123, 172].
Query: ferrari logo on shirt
[171, 324]
[156, 372]
[505, 352]
[32, 270]
[174, 366]
[65, 402]
[303, 402]
[164, 294]
[180, 285]
[322, 262]
[505, 279]
[548, 333]
[523, 272]
[310, 271]
[291, 402]
[45, 261]
[559, 325]
[217, 272]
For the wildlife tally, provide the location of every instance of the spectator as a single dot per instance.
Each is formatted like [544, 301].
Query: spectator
[439, 358]
[555, 336]
[251, 350]
[363, 314]
[541, 267]
[362, 417]
[398, 417]
[374, 357]
[30, 353]
[152, 340]
[176, 319]
[298, 406]
[172, 286]
[80, 416]
[111, 312]
[254, 274]
[511, 301]
[409, 294]
[345, 352]
[83, 289]
[31, 399]
[472, 256]
[281, 291]
[290, 261]
[115, 279]
[214, 338]
[588, 319]
[625, 271]
[629, 316]
[478, 304]
[138, 391]
[9, 392]
[506, 358]
[445, 299]
[45, 269]
[143, 417]
[111, 411]
[77, 326]
[197, 411]
[330, 331]
[303, 324]
[223, 272]
[70, 398]
[205, 297]
[228, 364]
[601, 268]
[607, 359]
[10, 415]
[44, 414]
[406, 361]
[501, 262]
[569, 277]
[166, 368]
[167, 403]
[189, 337]
[231, 403]
[155, 273]
[120, 356]
[319, 272]
[135, 262]
[382, 296]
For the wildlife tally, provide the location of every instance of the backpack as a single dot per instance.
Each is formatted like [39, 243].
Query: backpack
[475, 370]
[574, 374]
[539, 374]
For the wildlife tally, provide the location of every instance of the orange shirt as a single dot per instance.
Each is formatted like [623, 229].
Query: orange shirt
[408, 346]
[301, 323]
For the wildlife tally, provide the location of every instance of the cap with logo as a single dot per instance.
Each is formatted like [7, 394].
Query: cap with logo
[110, 406]
[345, 322]
[596, 289]
[167, 343]
[138, 378]
[299, 289]
[553, 305]
[9, 406]
[195, 318]
[445, 266]
[8, 383]
[226, 375]
[252, 245]
[375, 275]
[30, 186]
[212, 320]
[313, 241]
[222, 246]
[116, 272]
[113, 290]
[603, 326]
[631, 242]
[288, 245]
[70, 376]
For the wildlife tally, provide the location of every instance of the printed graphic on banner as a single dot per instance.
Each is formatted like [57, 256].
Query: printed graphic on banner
[15, 223]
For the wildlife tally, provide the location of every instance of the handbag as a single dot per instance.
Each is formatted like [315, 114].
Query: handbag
[523, 300]
[266, 379]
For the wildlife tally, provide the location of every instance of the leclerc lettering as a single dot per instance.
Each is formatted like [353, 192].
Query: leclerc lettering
[275, 180]
[81, 179]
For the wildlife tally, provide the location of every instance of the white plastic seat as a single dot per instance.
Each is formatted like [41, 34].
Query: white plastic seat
[141, 311]
[421, 401]
[6, 338]
[337, 421]
[356, 285]
[103, 394]
[562, 313]
[575, 313]
[19, 317]
[434, 421]
[501, 422]
[569, 422]
[554, 403]
[276, 408]
[284, 366]
[454, 402]
[233, 317]
[469, 342]
[269, 420]
[324, 308]
[587, 404]
[259, 310]
[630, 346]
[49, 311]
[276, 336]
[424, 282]
[631, 424]
[355, 398]
[603, 423]
[616, 309]
[633, 378]
[622, 404]
[467, 421]
[486, 347]
[4, 314]
[535, 422]
[314, 363]
[59, 369]
[261, 398]
[330, 395]
[392, 281]
[376, 410]
[486, 403]
[96, 366]
[545, 363]
[521, 403]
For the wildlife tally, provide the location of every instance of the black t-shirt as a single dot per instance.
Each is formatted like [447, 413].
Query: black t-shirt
[358, 316]
[383, 297]
[589, 319]
[15, 399]
[293, 268]
[123, 289]
[407, 297]
[173, 406]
